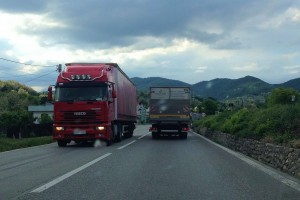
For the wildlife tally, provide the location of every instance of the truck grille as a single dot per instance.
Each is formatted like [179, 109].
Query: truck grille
[78, 117]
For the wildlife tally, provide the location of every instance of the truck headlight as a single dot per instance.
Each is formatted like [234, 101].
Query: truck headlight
[100, 128]
[59, 128]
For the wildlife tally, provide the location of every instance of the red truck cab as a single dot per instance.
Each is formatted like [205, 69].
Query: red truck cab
[90, 104]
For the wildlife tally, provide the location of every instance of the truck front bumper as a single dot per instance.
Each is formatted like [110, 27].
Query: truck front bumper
[93, 132]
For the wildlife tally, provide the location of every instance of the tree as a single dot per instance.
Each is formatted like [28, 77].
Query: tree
[196, 104]
[283, 96]
[15, 120]
[46, 119]
[210, 106]
[143, 98]
[14, 123]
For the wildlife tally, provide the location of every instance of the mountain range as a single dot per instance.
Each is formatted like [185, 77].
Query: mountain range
[220, 88]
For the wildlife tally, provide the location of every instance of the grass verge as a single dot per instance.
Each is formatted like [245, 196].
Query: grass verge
[7, 144]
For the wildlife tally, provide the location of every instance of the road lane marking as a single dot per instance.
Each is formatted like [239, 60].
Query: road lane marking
[122, 147]
[257, 165]
[67, 175]
[143, 136]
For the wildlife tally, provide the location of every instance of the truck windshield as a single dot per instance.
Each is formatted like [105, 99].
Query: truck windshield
[81, 94]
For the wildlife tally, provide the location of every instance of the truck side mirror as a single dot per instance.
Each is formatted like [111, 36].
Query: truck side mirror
[114, 94]
[50, 93]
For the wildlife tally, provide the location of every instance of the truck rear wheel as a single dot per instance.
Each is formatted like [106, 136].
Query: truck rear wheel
[155, 135]
[129, 133]
[184, 135]
[61, 143]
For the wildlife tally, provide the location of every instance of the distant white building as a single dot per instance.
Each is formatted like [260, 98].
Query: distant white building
[38, 111]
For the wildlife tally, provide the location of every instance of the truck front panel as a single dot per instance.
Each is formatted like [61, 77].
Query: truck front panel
[81, 120]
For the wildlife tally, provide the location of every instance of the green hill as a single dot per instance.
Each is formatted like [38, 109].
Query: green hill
[230, 88]
[146, 83]
[220, 88]
[7, 86]
[294, 83]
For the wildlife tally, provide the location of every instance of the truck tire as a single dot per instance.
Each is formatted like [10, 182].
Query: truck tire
[155, 135]
[118, 129]
[184, 136]
[129, 134]
[111, 140]
[61, 143]
[108, 142]
[131, 128]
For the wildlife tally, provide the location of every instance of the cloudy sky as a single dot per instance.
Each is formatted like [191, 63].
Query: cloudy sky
[188, 40]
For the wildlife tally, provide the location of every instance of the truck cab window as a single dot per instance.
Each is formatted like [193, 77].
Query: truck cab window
[97, 93]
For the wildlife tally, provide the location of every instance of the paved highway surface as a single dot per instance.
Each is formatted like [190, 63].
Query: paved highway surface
[140, 168]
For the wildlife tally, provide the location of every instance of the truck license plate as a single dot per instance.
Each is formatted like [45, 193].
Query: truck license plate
[79, 132]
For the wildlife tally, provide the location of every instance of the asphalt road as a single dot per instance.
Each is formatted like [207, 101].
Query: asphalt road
[140, 168]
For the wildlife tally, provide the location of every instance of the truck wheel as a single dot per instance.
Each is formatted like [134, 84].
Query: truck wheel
[61, 143]
[118, 129]
[130, 131]
[155, 135]
[119, 137]
[184, 136]
[108, 142]
[130, 134]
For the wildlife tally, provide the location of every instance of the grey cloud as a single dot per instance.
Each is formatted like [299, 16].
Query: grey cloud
[229, 43]
[118, 23]
[99, 24]
[23, 6]
[44, 77]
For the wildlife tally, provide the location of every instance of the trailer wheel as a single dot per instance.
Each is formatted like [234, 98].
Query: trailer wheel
[130, 131]
[62, 143]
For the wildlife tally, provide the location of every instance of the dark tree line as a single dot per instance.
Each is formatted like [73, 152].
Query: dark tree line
[15, 120]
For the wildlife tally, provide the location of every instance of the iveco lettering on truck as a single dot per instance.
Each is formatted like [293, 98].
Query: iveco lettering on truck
[93, 101]
[170, 111]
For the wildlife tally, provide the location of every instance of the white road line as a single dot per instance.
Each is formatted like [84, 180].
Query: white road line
[67, 175]
[122, 147]
[257, 165]
[142, 136]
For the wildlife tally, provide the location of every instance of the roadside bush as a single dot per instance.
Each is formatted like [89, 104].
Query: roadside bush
[282, 96]
[214, 122]
[238, 122]
[277, 121]
[207, 122]
[7, 144]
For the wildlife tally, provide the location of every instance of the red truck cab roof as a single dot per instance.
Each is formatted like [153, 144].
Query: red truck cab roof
[98, 72]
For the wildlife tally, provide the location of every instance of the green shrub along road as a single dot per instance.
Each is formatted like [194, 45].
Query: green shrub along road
[278, 120]
[7, 144]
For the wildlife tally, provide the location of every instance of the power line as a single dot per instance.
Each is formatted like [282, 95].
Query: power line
[25, 63]
[39, 77]
[29, 75]
[17, 76]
